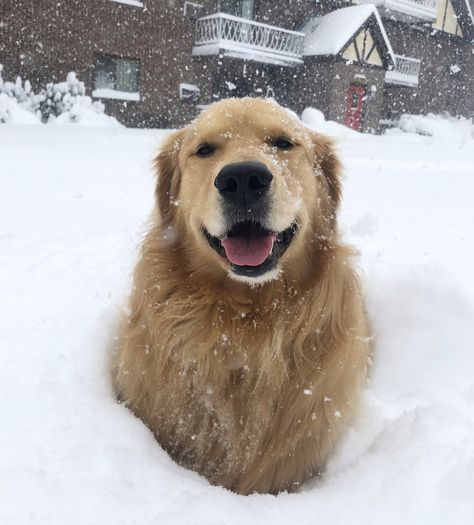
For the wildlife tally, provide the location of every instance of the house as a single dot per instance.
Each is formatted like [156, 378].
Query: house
[434, 47]
[158, 62]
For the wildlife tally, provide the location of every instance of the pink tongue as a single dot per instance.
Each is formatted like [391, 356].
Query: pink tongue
[248, 251]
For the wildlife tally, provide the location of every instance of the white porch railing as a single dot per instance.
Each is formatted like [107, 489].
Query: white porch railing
[406, 72]
[424, 10]
[247, 39]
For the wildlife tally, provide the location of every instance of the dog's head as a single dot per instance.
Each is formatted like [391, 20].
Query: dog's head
[247, 188]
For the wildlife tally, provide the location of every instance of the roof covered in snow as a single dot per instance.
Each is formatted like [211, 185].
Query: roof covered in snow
[327, 35]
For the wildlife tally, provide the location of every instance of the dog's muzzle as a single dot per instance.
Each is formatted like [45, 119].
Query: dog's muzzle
[250, 246]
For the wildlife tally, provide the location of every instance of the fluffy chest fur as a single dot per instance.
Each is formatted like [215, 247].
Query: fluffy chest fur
[253, 394]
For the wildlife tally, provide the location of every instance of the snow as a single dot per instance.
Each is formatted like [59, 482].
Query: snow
[12, 113]
[78, 110]
[327, 35]
[421, 9]
[73, 209]
[314, 119]
[189, 87]
[135, 3]
[60, 103]
[86, 113]
[115, 94]
[435, 125]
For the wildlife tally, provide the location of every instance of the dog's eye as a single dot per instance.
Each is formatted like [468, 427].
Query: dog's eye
[283, 144]
[205, 151]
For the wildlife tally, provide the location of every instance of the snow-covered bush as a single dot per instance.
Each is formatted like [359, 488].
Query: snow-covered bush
[13, 113]
[61, 96]
[86, 112]
[60, 102]
[68, 100]
[21, 92]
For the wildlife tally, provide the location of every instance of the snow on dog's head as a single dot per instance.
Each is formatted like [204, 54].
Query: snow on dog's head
[249, 190]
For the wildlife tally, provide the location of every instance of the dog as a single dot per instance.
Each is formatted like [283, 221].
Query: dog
[246, 345]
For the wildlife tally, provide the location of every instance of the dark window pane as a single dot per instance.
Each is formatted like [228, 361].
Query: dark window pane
[105, 73]
[241, 8]
[127, 75]
[231, 7]
[119, 74]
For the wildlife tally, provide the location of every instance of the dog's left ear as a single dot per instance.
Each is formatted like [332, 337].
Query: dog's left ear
[169, 176]
[327, 163]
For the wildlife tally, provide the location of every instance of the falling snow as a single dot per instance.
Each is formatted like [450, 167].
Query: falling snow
[77, 189]
[65, 270]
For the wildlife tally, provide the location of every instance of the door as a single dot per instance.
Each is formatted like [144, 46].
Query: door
[355, 106]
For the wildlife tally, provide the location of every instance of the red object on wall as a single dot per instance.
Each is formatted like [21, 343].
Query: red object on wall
[355, 105]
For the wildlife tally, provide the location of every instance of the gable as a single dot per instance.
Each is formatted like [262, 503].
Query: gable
[363, 48]
[446, 18]
[352, 33]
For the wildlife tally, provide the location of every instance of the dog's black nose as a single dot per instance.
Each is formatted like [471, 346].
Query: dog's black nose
[243, 183]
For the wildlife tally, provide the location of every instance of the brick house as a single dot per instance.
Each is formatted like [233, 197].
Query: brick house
[158, 62]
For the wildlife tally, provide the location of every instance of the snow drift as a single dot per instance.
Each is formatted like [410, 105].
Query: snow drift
[436, 125]
[73, 207]
[314, 119]
[12, 113]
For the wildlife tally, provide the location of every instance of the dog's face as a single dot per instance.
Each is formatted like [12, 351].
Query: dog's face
[247, 187]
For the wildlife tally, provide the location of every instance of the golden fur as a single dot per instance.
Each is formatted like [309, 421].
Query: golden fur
[249, 385]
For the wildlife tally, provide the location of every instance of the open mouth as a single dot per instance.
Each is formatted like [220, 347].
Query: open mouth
[250, 248]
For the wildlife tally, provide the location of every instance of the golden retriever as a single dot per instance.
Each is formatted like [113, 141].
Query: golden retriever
[246, 345]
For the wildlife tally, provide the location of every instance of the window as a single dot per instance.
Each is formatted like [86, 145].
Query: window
[116, 78]
[240, 8]
[192, 10]
[188, 92]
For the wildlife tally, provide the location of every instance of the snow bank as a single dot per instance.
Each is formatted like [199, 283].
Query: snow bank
[435, 125]
[12, 113]
[314, 119]
[82, 110]
[72, 216]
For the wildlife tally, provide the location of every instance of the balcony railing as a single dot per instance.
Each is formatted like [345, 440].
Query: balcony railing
[406, 10]
[406, 72]
[247, 39]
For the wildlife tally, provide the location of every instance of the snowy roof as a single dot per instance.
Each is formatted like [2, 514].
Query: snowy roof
[327, 35]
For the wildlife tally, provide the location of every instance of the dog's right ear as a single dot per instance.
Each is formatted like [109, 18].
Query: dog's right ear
[169, 176]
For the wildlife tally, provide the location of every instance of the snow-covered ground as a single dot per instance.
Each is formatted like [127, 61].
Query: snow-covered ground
[73, 206]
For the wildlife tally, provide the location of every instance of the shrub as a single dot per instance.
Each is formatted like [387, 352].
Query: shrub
[67, 100]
